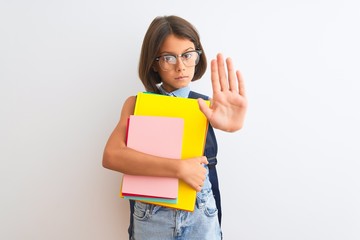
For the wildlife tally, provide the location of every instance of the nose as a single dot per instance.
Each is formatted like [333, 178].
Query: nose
[180, 66]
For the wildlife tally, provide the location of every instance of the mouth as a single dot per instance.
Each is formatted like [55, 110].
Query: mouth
[181, 78]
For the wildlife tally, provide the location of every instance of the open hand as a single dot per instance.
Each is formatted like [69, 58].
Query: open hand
[228, 104]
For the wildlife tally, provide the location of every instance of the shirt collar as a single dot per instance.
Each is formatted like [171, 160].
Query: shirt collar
[181, 92]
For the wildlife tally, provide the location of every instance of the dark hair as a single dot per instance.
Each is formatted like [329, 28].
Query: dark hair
[159, 29]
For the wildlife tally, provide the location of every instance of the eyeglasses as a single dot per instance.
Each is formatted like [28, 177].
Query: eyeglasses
[190, 59]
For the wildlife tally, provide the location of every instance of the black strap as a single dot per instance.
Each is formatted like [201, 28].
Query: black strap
[211, 148]
[210, 152]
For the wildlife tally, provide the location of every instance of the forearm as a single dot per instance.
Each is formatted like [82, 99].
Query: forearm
[118, 157]
[129, 161]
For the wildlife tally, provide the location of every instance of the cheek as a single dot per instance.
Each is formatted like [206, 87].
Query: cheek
[163, 75]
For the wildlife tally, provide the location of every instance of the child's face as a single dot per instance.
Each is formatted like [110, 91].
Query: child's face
[178, 75]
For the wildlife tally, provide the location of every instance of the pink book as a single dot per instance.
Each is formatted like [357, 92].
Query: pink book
[159, 136]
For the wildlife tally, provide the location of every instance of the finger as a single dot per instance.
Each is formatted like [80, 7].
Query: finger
[197, 186]
[204, 108]
[222, 73]
[215, 76]
[241, 83]
[231, 75]
[201, 183]
[204, 160]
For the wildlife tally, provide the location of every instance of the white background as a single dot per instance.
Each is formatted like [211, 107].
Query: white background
[66, 68]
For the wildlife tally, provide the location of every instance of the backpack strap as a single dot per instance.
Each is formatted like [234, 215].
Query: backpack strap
[211, 148]
[210, 152]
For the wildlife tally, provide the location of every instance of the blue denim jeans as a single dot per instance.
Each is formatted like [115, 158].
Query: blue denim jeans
[152, 222]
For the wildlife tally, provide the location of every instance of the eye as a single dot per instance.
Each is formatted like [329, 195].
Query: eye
[169, 59]
[187, 55]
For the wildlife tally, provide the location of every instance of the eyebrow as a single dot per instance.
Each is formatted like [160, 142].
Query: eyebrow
[172, 53]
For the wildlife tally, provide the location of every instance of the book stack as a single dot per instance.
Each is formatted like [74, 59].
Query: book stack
[169, 127]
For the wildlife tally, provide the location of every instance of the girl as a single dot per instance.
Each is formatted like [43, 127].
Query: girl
[171, 57]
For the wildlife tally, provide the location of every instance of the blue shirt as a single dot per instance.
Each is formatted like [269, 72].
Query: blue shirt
[181, 92]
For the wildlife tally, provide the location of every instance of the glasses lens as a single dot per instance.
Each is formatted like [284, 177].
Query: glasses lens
[167, 62]
[189, 59]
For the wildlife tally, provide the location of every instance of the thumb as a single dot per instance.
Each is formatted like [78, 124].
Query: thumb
[204, 108]
[204, 160]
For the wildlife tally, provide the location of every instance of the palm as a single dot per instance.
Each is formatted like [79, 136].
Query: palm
[228, 104]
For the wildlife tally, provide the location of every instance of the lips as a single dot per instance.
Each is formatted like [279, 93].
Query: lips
[181, 78]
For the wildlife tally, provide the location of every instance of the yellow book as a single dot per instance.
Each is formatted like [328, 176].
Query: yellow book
[194, 137]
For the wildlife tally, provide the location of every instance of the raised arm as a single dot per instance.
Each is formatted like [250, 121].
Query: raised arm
[228, 104]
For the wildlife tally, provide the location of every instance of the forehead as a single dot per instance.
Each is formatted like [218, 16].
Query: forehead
[173, 44]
